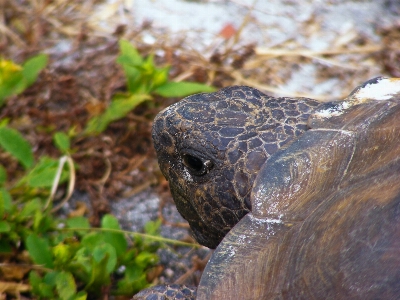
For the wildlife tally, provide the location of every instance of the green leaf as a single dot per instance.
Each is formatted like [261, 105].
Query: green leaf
[130, 52]
[39, 287]
[160, 77]
[153, 227]
[30, 208]
[50, 278]
[78, 222]
[32, 68]
[132, 74]
[4, 122]
[14, 143]
[79, 296]
[11, 79]
[120, 106]
[129, 255]
[118, 240]
[148, 64]
[182, 89]
[14, 79]
[2, 204]
[37, 219]
[126, 61]
[130, 60]
[39, 250]
[102, 264]
[82, 295]
[92, 240]
[108, 251]
[81, 264]
[3, 175]
[145, 259]
[44, 173]
[62, 141]
[65, 285]
[42, 222]
[133, 281]
[61, 253]
[4, 226]
[6, 199]
[133, 272]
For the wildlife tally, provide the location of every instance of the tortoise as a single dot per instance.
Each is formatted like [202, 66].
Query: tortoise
[301, 198]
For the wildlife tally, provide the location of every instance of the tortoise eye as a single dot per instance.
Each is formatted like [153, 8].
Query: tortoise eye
[196, 165]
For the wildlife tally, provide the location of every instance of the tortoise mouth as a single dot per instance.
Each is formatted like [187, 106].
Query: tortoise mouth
[206, 240]
[203, 231]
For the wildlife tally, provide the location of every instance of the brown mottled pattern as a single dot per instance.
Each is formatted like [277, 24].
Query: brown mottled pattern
[210, 148]
[167, 292]
[325, 222]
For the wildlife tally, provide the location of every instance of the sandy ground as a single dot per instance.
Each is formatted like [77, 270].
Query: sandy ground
[291, 25]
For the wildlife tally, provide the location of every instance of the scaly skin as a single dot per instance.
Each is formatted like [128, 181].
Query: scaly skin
[167, 292]
[210, 148]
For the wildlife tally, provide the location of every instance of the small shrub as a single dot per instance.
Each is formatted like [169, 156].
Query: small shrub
[71, 260]
[14, 79]
[143, 79]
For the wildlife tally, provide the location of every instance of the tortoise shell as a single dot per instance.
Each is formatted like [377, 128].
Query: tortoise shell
[325, 222]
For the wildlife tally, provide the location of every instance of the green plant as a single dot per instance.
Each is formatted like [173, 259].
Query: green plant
[143, 78]
[82, 262]
[68, 258]
[71, 260]
[14, 79]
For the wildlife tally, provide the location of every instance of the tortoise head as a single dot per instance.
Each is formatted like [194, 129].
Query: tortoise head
[211, 146]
